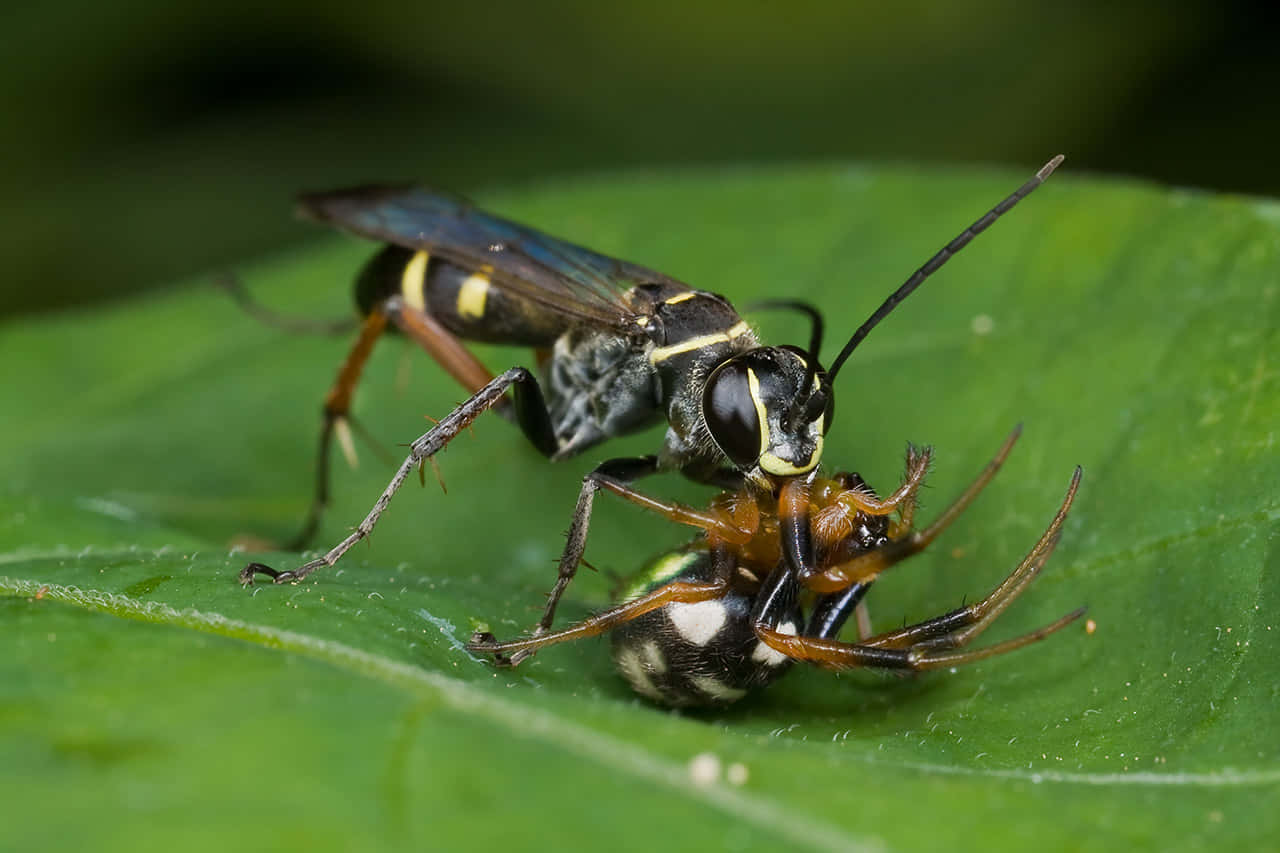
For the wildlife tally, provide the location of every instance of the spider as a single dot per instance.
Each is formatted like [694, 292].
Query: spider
[730, 612]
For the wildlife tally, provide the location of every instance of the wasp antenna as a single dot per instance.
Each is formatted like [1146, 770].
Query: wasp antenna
[810, 311]
[805, 401]
[945, 254]
[1047, 169]
[800, 406]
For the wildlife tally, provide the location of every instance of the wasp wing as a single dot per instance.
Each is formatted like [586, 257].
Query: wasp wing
[561, 276]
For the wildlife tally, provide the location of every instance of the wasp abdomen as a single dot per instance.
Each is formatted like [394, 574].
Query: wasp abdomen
[463, 300]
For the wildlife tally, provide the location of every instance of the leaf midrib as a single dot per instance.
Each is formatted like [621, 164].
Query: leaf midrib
[618, 755]
[521, 720]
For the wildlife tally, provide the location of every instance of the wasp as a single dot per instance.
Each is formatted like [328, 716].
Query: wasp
[727, 614]
[620, 347]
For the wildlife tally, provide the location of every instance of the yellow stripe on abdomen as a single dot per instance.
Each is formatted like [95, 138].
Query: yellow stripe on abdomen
[413, 282]
[472, 296]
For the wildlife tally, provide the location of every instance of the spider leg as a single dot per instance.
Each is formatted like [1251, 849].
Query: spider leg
[931, 644]
[615, 476]
[867, 566]
[904, 495]
[511, 652]
[844, 502]
[910, 502]
[832, 610]
[715, 525]
[957, 628]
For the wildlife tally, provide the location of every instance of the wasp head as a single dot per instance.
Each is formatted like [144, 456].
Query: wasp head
[769, 408]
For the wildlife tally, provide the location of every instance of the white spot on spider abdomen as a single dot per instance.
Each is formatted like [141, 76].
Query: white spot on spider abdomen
[768, 655]
[713, 688]
[634, 669]
[654, 662]
[698, 623]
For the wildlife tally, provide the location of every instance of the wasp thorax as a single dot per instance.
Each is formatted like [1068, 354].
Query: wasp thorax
[760, 412]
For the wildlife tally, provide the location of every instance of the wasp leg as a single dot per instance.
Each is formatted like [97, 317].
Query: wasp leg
[621, 470]
[931, 644]
[512, 652]
[445, 348]
[420, 451]
[337, 406]
[441, 344]
[235, 288]
[869, 565]
[530, 408]
[615, 476]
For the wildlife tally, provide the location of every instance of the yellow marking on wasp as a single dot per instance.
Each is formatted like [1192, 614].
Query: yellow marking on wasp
[413, 281]
[771, 463]
[676, 300]
[779, 467]
[663, 353]
[472, 296]
[762, 416]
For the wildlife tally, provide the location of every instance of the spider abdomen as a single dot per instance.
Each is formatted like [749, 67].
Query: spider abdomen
[700, 653]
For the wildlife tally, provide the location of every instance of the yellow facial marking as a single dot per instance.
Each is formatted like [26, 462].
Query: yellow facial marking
[413, 281]
[472, 296]
[761, 415]
[768, 462]
[778, 467]
[663, 353]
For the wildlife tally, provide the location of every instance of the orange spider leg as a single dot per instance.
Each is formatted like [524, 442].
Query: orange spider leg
[931, 644]
[867, 566]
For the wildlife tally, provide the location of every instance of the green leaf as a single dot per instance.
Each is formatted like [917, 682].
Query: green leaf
[147, 700]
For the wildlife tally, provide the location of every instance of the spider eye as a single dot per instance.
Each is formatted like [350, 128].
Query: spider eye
[730, 411]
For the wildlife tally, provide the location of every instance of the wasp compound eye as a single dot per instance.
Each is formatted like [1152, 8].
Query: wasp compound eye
[730, 410]
[786, 383]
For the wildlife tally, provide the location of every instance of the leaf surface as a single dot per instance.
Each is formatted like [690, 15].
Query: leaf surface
[146, 700]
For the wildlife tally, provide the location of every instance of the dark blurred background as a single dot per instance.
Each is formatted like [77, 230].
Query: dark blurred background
[145, 143]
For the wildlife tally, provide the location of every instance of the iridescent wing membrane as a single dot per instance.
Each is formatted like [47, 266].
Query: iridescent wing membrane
[560, 276]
